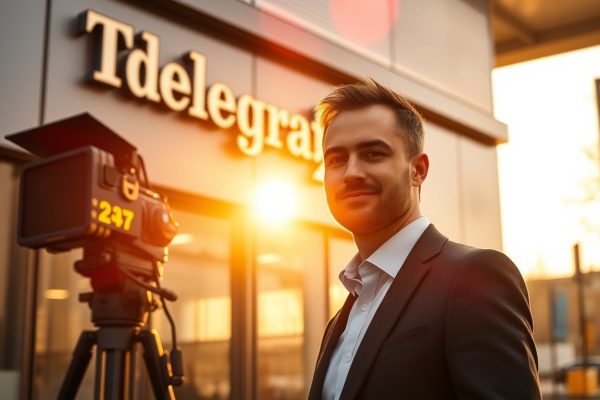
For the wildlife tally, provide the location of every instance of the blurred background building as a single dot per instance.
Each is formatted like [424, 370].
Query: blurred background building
[218, 97]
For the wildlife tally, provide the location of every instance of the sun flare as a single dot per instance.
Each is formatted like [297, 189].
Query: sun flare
[275, 202]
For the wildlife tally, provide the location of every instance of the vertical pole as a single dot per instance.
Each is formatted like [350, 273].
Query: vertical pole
[597, 158]
[243, 329]
[553, 318]
[597, 81]
[581, 307]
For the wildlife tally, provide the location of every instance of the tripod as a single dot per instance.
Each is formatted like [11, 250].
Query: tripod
[120, 308]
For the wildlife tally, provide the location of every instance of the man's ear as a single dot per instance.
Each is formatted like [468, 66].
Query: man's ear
[420, 168]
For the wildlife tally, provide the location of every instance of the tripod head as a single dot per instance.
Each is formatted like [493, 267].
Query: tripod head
[119, 297]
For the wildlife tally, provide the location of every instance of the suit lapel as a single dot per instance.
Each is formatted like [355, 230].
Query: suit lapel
[332, 335]
[412, 273]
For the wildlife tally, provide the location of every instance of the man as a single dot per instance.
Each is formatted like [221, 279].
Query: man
[426, 318]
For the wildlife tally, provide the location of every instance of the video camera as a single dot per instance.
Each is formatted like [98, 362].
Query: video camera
[88, 190]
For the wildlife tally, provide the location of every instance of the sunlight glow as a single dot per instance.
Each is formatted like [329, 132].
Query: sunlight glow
[275, 202]
[550, 164]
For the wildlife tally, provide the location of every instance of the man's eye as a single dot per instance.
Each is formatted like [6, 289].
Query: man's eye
[335, 160]
[372, 154]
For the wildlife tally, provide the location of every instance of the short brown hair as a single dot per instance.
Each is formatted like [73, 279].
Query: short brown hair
[363, 94]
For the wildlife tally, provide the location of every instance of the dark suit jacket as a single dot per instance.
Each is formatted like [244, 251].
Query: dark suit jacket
[455, 324]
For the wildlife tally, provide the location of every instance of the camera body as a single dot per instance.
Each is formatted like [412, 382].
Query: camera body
[72, 198]
[86, 191]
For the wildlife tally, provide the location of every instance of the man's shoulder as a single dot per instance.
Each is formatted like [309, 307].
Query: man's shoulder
[452, 252]
[475, 254]
[465, 250]
[457, 248]
[477, 262]
[447, 247]
[436, 248]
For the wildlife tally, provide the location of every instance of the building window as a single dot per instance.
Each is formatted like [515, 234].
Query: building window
[291, 309]
[295, 291]
[199, 272]
[340, 252]
[15, 290]
[60, 318]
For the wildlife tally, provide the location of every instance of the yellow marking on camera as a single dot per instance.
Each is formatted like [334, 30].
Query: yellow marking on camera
[128, 214]
[115, 215]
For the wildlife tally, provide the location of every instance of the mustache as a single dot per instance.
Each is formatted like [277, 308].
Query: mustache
[354, 189]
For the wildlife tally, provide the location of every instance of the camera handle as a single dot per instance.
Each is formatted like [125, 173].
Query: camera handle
[114, 363]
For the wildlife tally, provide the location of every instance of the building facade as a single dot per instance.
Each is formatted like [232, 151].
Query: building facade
[218, 97]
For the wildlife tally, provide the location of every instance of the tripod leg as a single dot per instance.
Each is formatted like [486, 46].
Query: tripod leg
[157, 368]
[99, 378]
[132, 367]
[81, 358]
[112, 367]
[115, 374]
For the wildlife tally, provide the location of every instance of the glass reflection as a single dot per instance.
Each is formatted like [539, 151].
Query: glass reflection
[60, 318]
[290, 310]
[199, 272]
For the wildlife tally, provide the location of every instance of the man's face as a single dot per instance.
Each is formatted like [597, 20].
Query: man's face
[369, 180]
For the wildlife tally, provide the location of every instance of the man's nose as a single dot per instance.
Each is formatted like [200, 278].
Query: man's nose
[354, 170]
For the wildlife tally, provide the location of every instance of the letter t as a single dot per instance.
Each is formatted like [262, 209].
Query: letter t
[110, 41]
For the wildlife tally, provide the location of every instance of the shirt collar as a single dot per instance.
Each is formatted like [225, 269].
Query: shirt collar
[350, 277]
[389, 257]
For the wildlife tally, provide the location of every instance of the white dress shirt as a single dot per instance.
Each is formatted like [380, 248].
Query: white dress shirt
[369, 280]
